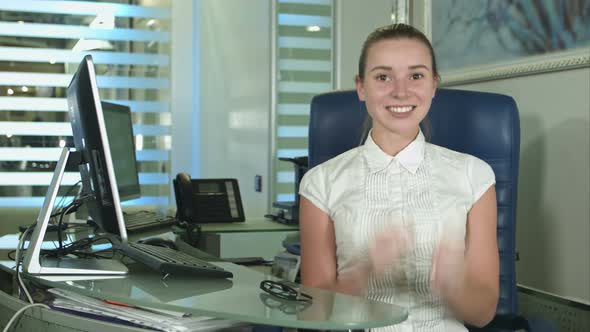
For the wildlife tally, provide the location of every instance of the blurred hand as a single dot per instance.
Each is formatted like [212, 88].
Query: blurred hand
[448, 268]
[389, 249]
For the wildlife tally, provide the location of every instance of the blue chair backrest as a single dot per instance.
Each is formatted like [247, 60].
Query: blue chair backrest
[485, 125]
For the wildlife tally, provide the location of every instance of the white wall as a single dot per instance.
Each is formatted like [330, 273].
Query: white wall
[235, 95]
[553, 232]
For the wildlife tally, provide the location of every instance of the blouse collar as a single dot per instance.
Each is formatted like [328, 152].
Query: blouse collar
[410, 157]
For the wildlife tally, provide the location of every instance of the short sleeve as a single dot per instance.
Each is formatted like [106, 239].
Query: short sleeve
[313, 187]
[481, 176]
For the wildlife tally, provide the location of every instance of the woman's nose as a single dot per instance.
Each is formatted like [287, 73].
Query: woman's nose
[399, 88]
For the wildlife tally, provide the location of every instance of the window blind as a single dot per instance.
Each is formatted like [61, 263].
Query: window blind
[304, 69]
[41, 45]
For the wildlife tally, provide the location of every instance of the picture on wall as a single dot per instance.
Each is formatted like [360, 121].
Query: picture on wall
[471, 34]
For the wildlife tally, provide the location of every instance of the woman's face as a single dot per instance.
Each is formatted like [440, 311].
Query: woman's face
[399, 85]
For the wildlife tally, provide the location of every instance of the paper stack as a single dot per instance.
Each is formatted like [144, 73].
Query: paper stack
[153, 318]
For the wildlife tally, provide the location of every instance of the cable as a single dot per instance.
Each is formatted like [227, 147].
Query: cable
[72, 207]
[20, 311]
[61, 201]
[79, 248]
[18, 258]
[61, 217]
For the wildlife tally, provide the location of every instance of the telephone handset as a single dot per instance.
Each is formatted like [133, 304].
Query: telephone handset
[207, 200]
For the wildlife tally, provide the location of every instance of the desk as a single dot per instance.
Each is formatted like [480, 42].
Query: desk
[209, 238]
[250, 225]
[238, 299]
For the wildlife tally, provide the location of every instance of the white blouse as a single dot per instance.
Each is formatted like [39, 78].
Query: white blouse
[426, 188]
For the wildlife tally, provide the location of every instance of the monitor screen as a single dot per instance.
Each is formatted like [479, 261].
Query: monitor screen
[119, 128]
[91, 139]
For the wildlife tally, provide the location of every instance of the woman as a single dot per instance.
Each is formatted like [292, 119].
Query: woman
[398, 219]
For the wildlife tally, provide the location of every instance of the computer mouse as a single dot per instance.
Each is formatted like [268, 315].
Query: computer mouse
[159, 242]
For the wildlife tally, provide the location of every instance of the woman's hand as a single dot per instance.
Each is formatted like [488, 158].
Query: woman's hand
[389, 249]
[386, 254]
[448, 269]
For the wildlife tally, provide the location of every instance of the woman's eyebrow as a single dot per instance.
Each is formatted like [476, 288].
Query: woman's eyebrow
[388, 68]
[419, 66]
[380, 68]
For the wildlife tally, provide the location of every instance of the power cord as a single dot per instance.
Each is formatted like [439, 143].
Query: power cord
[18, 258]
[20, 248]
[21, 285]
[20, 311]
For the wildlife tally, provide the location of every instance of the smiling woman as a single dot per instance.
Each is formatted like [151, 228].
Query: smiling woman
[398, 219]
[41, 43]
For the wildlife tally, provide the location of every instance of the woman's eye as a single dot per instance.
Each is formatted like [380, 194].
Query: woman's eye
[382, 78]
[416, 76]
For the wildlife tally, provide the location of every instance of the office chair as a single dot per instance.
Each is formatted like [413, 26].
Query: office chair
[485, 125]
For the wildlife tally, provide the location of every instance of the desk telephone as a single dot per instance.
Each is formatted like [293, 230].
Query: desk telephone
[207, 200]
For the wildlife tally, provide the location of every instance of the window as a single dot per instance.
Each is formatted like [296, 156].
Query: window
[41, 45]
[304, 69]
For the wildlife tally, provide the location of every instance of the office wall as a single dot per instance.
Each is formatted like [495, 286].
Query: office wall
[553, 233]
[234, 107]
[235, 96]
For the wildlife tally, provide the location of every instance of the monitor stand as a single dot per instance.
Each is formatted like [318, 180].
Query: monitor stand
[62, 266]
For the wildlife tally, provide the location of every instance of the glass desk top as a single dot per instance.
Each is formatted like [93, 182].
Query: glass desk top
[239, 298]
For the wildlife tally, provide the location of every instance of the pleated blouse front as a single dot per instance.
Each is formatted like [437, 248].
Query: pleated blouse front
[426, 190]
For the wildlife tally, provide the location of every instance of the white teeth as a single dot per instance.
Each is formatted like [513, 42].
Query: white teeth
[400, 109]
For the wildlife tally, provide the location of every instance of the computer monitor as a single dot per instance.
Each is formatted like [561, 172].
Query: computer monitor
[93, 128]
[94, 125]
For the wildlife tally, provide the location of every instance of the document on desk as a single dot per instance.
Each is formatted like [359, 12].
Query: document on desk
[154, 318]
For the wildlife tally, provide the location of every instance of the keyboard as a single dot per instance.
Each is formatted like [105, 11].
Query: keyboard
[140, 221]
[172, 262]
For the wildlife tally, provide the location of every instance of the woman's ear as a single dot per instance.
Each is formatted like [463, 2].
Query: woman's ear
[436, 80]
[360, 89]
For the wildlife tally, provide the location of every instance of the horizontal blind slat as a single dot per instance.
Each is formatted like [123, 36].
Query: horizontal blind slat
[304, 87]
[308, 2]
[41, 30]
[69, 178]
[22, 202]
[84, 8]
[65, 129]
[52, 154]
[29, 54]
[42, 104]
[293, 109]
[308, 43]
[16, 128]
[304, 20]
[292, 131]
[286, 177]
[63, 80]
[291, 153]
[304, 65]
